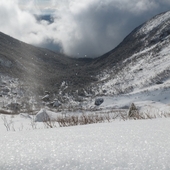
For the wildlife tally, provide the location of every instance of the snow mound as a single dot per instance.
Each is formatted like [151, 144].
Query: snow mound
[45, 115]
[42, 116]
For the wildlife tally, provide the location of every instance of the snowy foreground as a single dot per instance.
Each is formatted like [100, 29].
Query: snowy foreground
[132, 144]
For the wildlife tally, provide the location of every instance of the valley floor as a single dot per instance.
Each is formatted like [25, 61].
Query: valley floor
[131, 144]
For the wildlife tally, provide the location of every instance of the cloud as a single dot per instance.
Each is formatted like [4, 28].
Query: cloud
[80, 28]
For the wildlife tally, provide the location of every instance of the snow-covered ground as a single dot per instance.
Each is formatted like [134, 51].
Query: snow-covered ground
[141, 144]
[145, 71]
[130, 144]
[154, 99]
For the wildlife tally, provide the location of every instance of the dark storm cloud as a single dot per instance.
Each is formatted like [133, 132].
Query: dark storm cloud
[80, 28]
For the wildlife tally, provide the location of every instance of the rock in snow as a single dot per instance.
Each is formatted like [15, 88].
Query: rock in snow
[99, 101]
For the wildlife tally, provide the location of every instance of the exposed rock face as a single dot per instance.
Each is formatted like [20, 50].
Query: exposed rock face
[99, 101]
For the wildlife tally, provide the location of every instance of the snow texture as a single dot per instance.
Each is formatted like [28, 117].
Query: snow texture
[142, 144]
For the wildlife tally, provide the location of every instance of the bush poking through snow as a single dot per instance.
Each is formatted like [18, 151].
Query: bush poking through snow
[83, 119]
[53, 120]
[8, 123]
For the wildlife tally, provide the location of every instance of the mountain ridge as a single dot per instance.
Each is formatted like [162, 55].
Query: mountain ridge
[47, 70]
[130, 44]
[145, 53]
[33, 63]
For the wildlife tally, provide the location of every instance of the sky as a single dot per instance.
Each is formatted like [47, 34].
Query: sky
[81, 28]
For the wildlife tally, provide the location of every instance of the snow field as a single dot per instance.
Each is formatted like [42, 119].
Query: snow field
[141, 144]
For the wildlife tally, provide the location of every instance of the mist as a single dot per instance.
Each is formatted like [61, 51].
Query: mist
[86, 28]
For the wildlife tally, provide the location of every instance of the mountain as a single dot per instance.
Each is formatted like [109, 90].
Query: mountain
[42, 69]
[140, 61]
[146, 35]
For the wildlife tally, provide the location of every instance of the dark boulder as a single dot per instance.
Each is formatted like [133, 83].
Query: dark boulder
[99, 101]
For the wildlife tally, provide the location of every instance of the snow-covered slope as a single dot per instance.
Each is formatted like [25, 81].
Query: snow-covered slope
[41, 69]
[144, 69]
